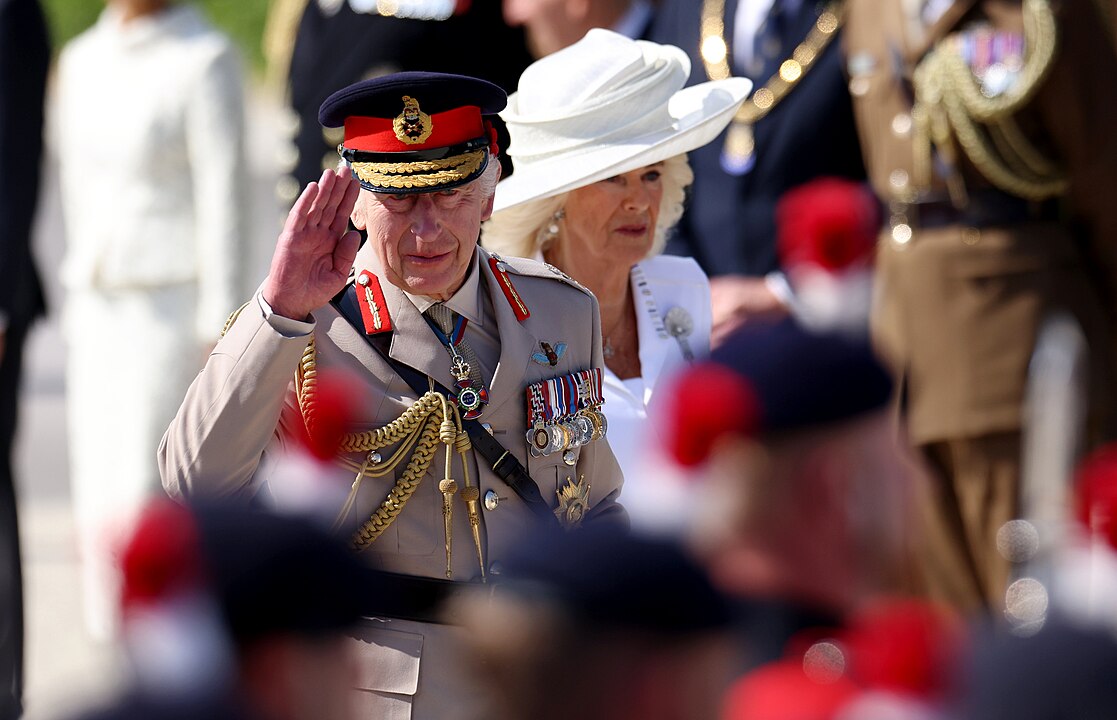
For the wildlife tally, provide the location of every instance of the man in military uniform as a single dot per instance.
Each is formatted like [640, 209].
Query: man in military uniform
[439, 331]
[796, 126]
[983, 130]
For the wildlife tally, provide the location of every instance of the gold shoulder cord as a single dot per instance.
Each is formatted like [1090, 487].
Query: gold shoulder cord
[950, 105]
[714, 50]
[432, 419]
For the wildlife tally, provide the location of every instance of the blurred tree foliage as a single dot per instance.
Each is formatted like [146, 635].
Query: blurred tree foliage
[243, 20]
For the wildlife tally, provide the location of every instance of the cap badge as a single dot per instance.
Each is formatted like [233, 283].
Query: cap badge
[412, 126]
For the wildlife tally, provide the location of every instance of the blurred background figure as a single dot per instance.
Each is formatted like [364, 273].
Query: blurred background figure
[599, 624]
[999, 181]
[338, 42]
[797, 125]
[149, 141]
[600, 206]
[802, 501]
[235, 613]
[24, 57]
[552, 25]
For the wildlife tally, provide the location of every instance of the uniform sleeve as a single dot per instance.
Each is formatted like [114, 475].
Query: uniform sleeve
[215, 144]
[233, 410]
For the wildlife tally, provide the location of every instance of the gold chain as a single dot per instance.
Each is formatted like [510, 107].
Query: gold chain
[983, 126]
[714, 50]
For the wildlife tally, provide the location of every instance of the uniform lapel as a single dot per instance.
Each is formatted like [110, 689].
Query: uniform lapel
[413, 342]
[516, 342]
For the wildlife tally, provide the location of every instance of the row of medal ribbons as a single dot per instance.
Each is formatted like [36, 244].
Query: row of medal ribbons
[564, 412]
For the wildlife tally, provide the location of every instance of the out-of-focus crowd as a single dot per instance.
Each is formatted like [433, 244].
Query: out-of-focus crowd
[830, 286]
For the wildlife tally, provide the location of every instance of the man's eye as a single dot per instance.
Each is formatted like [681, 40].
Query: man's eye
[448, 193]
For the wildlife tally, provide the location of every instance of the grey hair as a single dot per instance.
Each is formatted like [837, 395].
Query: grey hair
[521, 230]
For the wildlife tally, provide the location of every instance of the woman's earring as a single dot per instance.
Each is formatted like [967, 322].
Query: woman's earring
[553, 228]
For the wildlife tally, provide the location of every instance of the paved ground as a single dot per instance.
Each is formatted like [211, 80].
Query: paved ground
[65, 667]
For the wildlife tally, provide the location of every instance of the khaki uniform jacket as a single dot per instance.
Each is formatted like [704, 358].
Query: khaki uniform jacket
[240, 411]
[959, 308]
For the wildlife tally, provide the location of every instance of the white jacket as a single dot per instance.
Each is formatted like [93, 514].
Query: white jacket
[148, 130]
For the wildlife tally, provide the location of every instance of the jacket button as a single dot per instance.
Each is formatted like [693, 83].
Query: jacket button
[492, 500]
[496, 568]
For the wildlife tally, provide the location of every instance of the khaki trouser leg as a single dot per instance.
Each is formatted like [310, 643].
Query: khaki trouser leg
[972, 491]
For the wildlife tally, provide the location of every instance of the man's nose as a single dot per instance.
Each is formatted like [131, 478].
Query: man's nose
[424, 216]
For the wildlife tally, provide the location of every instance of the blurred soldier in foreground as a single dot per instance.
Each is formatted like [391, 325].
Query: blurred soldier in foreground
[984, 130]
[442, 336]
[238, 614]
[600, 625]
[24, 57]
[803, 499]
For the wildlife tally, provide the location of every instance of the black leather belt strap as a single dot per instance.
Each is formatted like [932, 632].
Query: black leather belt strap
[502, 462]
[409, 597]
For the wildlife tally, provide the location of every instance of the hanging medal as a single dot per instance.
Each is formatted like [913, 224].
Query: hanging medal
[471, 397]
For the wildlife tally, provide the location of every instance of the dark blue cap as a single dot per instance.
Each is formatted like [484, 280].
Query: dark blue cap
[801, 378]
[436, 92]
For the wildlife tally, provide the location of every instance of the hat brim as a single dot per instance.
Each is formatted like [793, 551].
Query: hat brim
[701, 112]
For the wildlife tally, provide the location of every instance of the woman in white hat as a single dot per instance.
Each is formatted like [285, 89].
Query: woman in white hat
[599, 133]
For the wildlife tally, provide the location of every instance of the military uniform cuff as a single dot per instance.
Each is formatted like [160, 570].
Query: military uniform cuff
[285, 326]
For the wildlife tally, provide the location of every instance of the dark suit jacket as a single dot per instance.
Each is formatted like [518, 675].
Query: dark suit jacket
[729, 225]
[24, 58]
[332, 52]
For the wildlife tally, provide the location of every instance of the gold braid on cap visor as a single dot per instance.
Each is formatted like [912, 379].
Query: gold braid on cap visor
[420, 173]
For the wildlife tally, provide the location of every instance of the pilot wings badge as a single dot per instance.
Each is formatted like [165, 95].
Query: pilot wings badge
[550, 355]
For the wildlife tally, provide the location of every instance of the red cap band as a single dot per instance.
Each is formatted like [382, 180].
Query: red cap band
[453, 127]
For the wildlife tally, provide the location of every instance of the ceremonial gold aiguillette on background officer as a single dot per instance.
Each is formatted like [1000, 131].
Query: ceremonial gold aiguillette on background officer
[439, 331]
[985, 127]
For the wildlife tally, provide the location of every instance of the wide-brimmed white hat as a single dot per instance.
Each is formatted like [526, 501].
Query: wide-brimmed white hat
[604, 106]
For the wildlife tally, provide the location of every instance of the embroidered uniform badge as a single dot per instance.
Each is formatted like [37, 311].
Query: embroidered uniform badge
[550, 355]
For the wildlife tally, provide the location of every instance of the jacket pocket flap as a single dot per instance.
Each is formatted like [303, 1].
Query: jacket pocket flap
[387, 660]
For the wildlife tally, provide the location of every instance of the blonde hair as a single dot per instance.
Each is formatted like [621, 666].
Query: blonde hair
[522, 230]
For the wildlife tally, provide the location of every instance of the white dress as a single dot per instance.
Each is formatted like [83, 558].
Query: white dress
[147, 129]
[659, 284]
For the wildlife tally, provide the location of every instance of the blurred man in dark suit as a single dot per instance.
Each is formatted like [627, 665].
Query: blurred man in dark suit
[24, 57]
[798, 125]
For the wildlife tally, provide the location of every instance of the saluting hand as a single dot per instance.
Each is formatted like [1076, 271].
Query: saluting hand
[314, 252]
